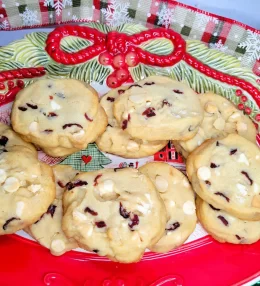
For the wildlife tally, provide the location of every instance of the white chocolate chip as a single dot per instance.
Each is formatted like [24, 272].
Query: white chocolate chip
[19, 208]
[185, 183]
[33, 127]
[211, 107]
[256, 188]
[90, 230]
[241, 126]
[34, 188]
[172, 204]
[78, 135]
[55, 105]
[11, 185]
[204, 173]
[161, 183]
[34, 176]
[58, 245]
[144, 208]
[235, 115]
[219, 124]
[240, 199]
[148, 103]
[242, 189]
[125, 115]
[189, 208]
[243, 159]
[2, 175]
[79, 216]
[257, 157]
[136, 98]
[132, 146]
[106, 189]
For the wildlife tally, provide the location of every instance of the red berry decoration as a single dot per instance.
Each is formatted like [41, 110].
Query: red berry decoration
[257, 118]
[119, 61]
[244, 98]
[20, 83]
[132, 59]
[122, 75]
[239, 92]
[10, 84]
[105, 59]
[241, 106]
[112, 81]
[258, 81]
[2, 86]
[248, 110]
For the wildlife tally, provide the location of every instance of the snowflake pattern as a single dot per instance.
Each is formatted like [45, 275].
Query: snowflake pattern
[116, 13]
[219, 46]
[29, 17]
[202, 20]
[58, 5]
[4, 25]
[252, 46]
[165, 16]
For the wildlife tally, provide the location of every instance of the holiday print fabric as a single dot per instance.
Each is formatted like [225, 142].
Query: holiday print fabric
[220, 33]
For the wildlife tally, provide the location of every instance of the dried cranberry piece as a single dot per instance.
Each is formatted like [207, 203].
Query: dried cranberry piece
[109, 125]
[72, 185]
[222, 195]
[71, 124]
[48, 130]
[32, 106]
[111, 99]
[96, 180]
[120, 91]
[124, 124]
[213, 165]
[149, 112]
[178, 91]
[89, 210]
[149, 83]
[174, 226]
[165, 102]
[22, 108]
[8, 221]
[100, 224]
[51, 97]
[137, 85]
[123, 212]
[247, 176]
[95, 250]
[52, 114]
[217, 144]
[61, 184]
[134, 220]
[238, 237]
[215, 209]
[51, 210]
[224, 221]
[208, 182]
[86, 116]
[3, 140]
[232, 151]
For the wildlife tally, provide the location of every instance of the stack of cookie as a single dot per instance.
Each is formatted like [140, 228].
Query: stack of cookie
[60, 116]
[225, 175]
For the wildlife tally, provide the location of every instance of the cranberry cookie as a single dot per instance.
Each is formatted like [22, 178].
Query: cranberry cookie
[26, 190]
[47, 230]
[57, 115]
[225, 173]
[159, 108]
[114, 212]
[178, 197]
[117, 141]
[221, 118]
[225, 227]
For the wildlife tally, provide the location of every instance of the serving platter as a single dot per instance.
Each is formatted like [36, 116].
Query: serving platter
[108, 58]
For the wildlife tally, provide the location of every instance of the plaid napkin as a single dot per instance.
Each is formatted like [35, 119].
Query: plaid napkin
[220, 33]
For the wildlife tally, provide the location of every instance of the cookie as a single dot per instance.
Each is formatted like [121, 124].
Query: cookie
[26, 190]
[159, 108]
[98, 127]
[57, 114]
[221, 118]
[178, 197]
[47, 230]
[114, 212]
[225, 227]
[117, 141]
[225, 173]
[10, 141]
